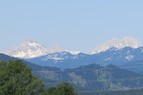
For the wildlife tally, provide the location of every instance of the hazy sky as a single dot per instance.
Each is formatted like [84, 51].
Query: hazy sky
[72, 24]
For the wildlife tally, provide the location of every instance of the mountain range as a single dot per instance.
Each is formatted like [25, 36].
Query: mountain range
[89, 77]
[127, 58]
[31, 49]
[125, 53]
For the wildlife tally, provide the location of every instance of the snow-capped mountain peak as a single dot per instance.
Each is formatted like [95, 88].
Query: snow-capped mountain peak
[30, 49]
[31, 43]
[117, 43]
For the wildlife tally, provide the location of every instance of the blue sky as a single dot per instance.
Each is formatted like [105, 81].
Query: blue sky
[72, 24]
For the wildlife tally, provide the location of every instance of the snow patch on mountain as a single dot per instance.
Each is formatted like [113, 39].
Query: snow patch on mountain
[129, 57]
[57, 56]
[117, 43]
[53, 57]
[73, 52]
[108, 59]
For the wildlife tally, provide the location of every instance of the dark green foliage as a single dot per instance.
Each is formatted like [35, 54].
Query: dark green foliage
[61, 89]
[51, 91]
[17, 79]
[66, 89]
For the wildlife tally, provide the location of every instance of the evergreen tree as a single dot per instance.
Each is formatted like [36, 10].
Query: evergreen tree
[61, 89]
[17, 79]
[66, 89]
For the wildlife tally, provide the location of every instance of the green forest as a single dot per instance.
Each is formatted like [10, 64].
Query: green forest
[17, 79]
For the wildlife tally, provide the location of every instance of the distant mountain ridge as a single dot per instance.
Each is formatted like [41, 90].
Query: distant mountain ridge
[129, 58]
[95, 77]
[31, 49]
